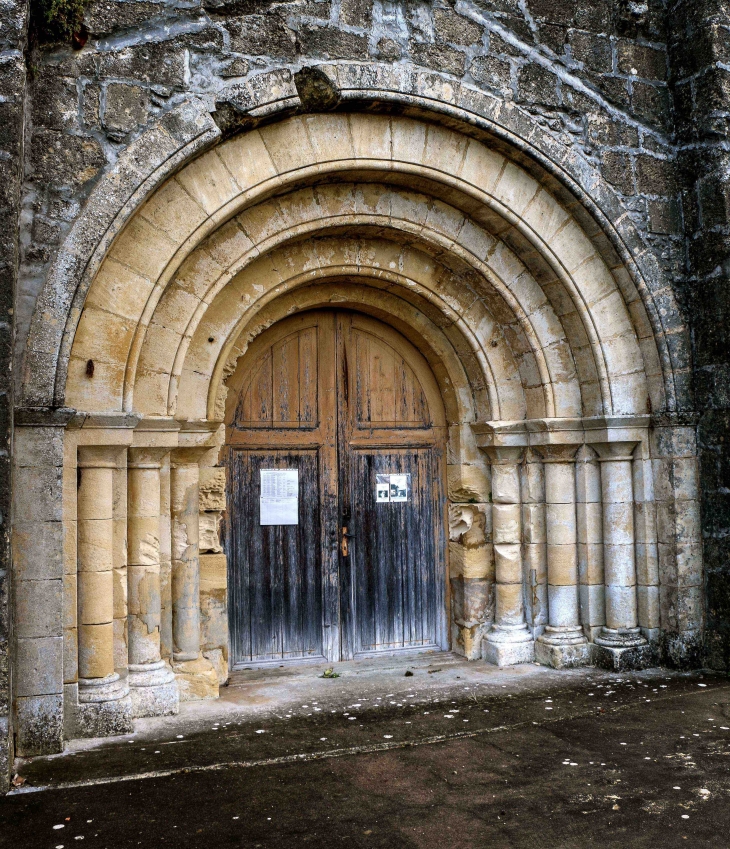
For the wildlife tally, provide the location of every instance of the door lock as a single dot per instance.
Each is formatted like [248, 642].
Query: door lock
[344, 547]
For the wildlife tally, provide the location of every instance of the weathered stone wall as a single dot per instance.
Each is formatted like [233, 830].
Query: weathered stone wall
[13, 26]
[593, 73]
[636, 87]
[700, 52]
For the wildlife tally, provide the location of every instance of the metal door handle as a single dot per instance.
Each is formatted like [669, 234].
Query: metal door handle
[344, 548]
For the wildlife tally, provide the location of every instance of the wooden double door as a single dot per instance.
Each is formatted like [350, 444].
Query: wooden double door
[353, 407]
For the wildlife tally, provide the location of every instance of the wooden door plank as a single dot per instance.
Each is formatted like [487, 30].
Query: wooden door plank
[257, 402]
[285, 381]
[347, 375]
[308, 375]
[326, 406]
[396, 568]
[362, 412]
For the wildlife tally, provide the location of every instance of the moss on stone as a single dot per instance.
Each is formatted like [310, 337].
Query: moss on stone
[57, 20]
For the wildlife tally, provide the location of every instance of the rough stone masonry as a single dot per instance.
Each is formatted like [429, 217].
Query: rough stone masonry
[635, 92]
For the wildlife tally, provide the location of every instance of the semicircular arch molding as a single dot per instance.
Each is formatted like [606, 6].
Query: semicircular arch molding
[457, 370]
[188, 129]
[479, 266]
[229, 181]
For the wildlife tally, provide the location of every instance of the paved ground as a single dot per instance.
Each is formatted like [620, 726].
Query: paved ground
[454, 754]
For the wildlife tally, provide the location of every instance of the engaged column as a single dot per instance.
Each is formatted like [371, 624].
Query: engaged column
[195, 675]
[104, 701]
[509, 640]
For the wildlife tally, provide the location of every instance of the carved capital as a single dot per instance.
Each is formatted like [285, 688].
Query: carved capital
[557, 453]
[504, 455]
[188, 456]
[100, 456]
[614, 451]
[146, 458]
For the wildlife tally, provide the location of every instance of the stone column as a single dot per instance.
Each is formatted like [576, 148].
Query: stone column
[590, 542]
[101, 690]
[509, 641]
[152, 683]
[645, 541]
[622, 629]
[563, 642]
[165, 563]
[195, 675]
[119, 508]
[534, 535]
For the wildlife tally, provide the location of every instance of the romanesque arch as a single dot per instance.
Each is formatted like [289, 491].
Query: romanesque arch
[530, 307]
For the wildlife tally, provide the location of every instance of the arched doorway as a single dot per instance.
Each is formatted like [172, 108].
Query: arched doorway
[541, 336]
[335, 436]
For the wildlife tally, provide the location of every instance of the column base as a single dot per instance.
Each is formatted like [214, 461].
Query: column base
[563, 635]
[620, 638]
[625, 659]
[104, 708]
[153, 690]
[567, 655]
[40, 724]
[507, 647]
[196, 679]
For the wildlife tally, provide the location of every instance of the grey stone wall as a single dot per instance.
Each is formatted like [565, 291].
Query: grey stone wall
[593, 73]
[700, 81]
[13, 27]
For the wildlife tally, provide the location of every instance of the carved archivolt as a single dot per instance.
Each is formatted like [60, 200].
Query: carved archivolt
[503, 272]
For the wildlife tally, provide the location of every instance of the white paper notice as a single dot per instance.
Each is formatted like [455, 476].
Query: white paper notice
[399, 487]
[382, 488]
[392, 488]
[279, 499]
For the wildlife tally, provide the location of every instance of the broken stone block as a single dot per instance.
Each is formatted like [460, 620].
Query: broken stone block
[126, 107]
[209, 540]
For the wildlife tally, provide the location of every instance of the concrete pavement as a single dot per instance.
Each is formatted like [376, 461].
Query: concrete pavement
[453, 753]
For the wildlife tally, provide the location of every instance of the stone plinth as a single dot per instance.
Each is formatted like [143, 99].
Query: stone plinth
[508, 654]
[562, 656]
[196, 679]
[615, 659]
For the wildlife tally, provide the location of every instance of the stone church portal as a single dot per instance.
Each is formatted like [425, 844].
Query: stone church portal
[347, 295]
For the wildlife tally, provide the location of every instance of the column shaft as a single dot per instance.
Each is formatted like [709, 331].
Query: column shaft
[590, 543]
[534, 538]
[120, 566]
[509, 640]
[563, 642]
[195, 675]
[98, 680]
[185, 562]
[165, 563]
[621, 630]
[152, 683]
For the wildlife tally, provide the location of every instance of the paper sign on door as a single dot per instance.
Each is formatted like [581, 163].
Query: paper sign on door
[392, 488]
[279, 499]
